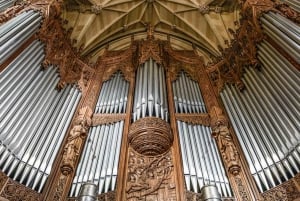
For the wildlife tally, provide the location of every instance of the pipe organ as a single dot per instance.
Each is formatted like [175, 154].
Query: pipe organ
[150, 99]
[266, 119]
[201, 161]
[293, 4]
[4, 4]
[16, 31]
[100, 159]
[34, 117]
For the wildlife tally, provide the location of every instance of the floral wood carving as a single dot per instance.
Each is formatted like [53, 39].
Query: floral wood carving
[109, 196]
[14, 191]
[285, 191]
[150, 136]
[78, 133]
[195, 119]
[150, 178]
[288, 12]
[12, 11]
[224, 140]
[150, 48]
[59, 188]
[242, 191]
[100, 119]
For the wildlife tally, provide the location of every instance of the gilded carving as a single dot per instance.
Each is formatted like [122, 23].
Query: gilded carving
[100, 119]
[77, 134]
[195, 119]
[150, 136]
[224, 140]
[14, 191]
[150, 178]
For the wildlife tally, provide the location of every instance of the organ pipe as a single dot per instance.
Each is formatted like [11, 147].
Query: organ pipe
[201, 161]
[150, 98]
[16, 31]
[113, 95]
[4, 4]
[100, 158]
[295, 4]
[266, 118]
[187, 95]
[34, 117]
[284, 32]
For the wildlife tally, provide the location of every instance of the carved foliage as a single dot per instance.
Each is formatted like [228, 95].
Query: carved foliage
[150, 136]
[14, 191]
[150, 178]
[12, 11]
[288, 12]
[195, 119]
[77, 134]
[109, 196]
[3, 180]
[241, 189]
[100, 119]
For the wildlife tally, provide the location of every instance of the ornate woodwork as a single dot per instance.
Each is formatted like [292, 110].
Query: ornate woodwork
[100, 119]
[13, 191]
[195, 119]
[78, 133]
[150, 177]
[150, 136]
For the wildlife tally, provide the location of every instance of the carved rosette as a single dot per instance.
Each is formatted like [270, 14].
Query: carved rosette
[150, 177]
[150, 136]
[77, 134]
[224, 140]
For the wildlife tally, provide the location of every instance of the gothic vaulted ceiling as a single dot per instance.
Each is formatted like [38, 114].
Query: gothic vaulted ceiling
[203, 23]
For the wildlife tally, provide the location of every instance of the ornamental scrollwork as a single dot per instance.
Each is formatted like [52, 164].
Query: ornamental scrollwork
[195, 119]
[101, 119]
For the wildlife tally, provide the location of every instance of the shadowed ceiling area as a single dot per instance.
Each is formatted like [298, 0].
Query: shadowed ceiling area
[202, 24]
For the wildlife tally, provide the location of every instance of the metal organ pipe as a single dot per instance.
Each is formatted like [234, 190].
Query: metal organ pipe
[16, 31]
[266, 118]
[34, 117]
[100, 158]
[4, 4]
[150, 92]
[284, 32]
[295, 4]
[187, 95]
[201, 161]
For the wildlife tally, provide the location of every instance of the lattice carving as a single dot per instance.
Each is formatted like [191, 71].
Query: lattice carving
[100, 119]
[78, 133]
[150, 136]
[195, 119]
[14, 191]
[150, 177]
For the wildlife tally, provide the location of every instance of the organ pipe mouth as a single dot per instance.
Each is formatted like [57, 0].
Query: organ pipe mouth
[150, 136]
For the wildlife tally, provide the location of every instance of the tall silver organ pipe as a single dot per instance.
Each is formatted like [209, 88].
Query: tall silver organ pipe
[16, 31]
[295, 4]
[113, 95]
[100, 158]
[201, 161]
[187, 95]
[266, 118]
[150, 99]
[284, 32]
[4, 4]
[34, 117]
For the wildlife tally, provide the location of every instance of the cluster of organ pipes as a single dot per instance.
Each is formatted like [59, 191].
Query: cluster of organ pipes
[284, 32]
[4, 4]
[266, 118]
[150, 99]
[187, 95]
[16, 31]
[34, 117]
[113, 95]
[100, 158]
[201, 161]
